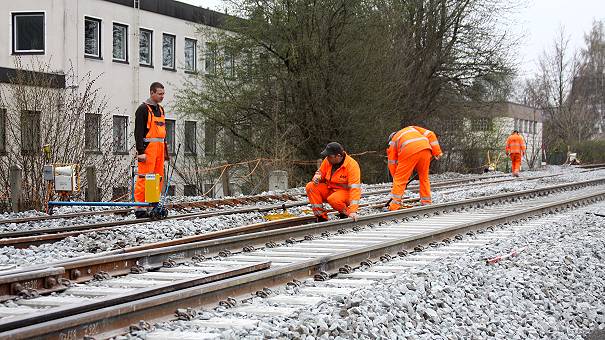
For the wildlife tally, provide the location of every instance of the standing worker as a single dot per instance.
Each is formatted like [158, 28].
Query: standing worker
[338, 182]
[411, 148]
[515, 149]
[150, 138]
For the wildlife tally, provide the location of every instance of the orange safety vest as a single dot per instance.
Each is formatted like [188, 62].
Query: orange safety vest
[156, 126]
[515, 144]
[408, 141]
[347, 177]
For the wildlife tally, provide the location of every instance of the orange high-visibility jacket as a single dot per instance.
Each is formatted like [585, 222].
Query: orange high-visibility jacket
[408, 141]
[348, 177]
[515, 144]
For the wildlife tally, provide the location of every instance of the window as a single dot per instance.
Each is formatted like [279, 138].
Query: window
[30, 131]
[92, 37]
[120, 42]
[190, 55]
[481, 124]
[92, 132]
[535, 127]
[120, 137]
[170, 140]
[145, 47]
[210, 58]
[229, 64]
[28, 33]
[2, 130]
[209, 139]
[190, 137]
[190, 190]
[516, 124]
[168, 47]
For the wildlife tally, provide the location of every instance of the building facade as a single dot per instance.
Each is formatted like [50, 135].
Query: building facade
[128, 44]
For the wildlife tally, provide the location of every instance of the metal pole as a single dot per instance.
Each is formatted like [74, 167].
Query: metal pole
[15, 183]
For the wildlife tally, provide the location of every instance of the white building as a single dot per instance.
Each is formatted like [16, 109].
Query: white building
[132, 43]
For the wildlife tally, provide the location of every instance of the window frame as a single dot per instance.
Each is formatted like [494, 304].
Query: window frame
[150, 31]
[126, 54]
[113, 131]
[194, 69]
[100, 38]
[171, 143]
[14, 32]
[30, 131]
[87, 147]
[188, 138]
[173, 66]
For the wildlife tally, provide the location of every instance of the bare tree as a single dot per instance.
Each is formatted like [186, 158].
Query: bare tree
[44, 108]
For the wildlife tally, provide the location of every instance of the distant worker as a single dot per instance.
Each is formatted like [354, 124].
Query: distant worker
[338, 182]
[150, 138]
[515, 149]
[411, 148]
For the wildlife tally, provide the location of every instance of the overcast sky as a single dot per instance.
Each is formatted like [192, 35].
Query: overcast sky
[538, 22]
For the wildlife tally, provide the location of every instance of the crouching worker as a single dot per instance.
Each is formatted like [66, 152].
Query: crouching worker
[411, 148]
[338, 182]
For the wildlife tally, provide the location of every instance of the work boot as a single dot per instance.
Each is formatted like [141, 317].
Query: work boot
[342, 215]
[141, 214]
[321, 219]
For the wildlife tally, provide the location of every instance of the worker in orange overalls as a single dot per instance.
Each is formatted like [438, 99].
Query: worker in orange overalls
[515, 149]
[338, 182]
[411, 148]
[150, 139]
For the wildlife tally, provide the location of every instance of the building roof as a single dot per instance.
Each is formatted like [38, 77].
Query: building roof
[179, 10]
[516, 110]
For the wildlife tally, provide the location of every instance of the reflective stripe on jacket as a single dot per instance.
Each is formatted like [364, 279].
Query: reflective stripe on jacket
[515, 144]
[408, 141]
[347, 176]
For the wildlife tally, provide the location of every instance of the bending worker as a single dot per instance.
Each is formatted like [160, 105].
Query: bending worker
[411, 148]
[515, 149]
[338, 182]
[150, 138]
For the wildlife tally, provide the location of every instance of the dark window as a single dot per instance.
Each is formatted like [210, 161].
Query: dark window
[119, 193]
[145, 47]
[190, 55]
[28, 32]
[92, 132]
[92, 37]
[30, 131]
[481, 124]
[120, 134]
[168, 47]
[190, 190]
[120, 42]
[171, 190]
[2, 130]
[170, 140]
[210, 132]
[190, 137]
[210, 55]
[229, 64]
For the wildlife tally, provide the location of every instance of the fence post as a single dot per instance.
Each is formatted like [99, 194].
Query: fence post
[278, 180]
[225, 178]
[15, 183]
[91, 180]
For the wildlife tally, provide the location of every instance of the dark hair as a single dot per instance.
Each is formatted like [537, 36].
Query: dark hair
[515, 131]
[155, 86]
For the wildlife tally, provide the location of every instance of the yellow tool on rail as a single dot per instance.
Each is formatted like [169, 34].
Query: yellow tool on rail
[280, 216]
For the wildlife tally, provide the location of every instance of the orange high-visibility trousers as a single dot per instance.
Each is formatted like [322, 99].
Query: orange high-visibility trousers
[516, 159]
[153, 165]
[320, 193]
[419, 161]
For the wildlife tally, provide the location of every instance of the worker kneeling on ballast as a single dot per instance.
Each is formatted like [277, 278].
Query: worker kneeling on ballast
[411, 148]
[338, 182]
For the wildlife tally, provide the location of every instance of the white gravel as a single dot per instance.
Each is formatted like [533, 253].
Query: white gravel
[554, 290]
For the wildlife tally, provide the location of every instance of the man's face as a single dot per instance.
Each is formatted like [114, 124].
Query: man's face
[334, 159]
[158, 95]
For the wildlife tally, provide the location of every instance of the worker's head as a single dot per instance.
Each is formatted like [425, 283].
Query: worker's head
[334, 152]
[515, 131]
[156, 92]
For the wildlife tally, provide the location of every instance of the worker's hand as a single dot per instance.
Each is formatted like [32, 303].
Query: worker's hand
[142, 158]
[354, 216]
[437, 157]
[316, 178]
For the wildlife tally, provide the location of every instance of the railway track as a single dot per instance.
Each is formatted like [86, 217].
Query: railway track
[32, 237]
[322, 249]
